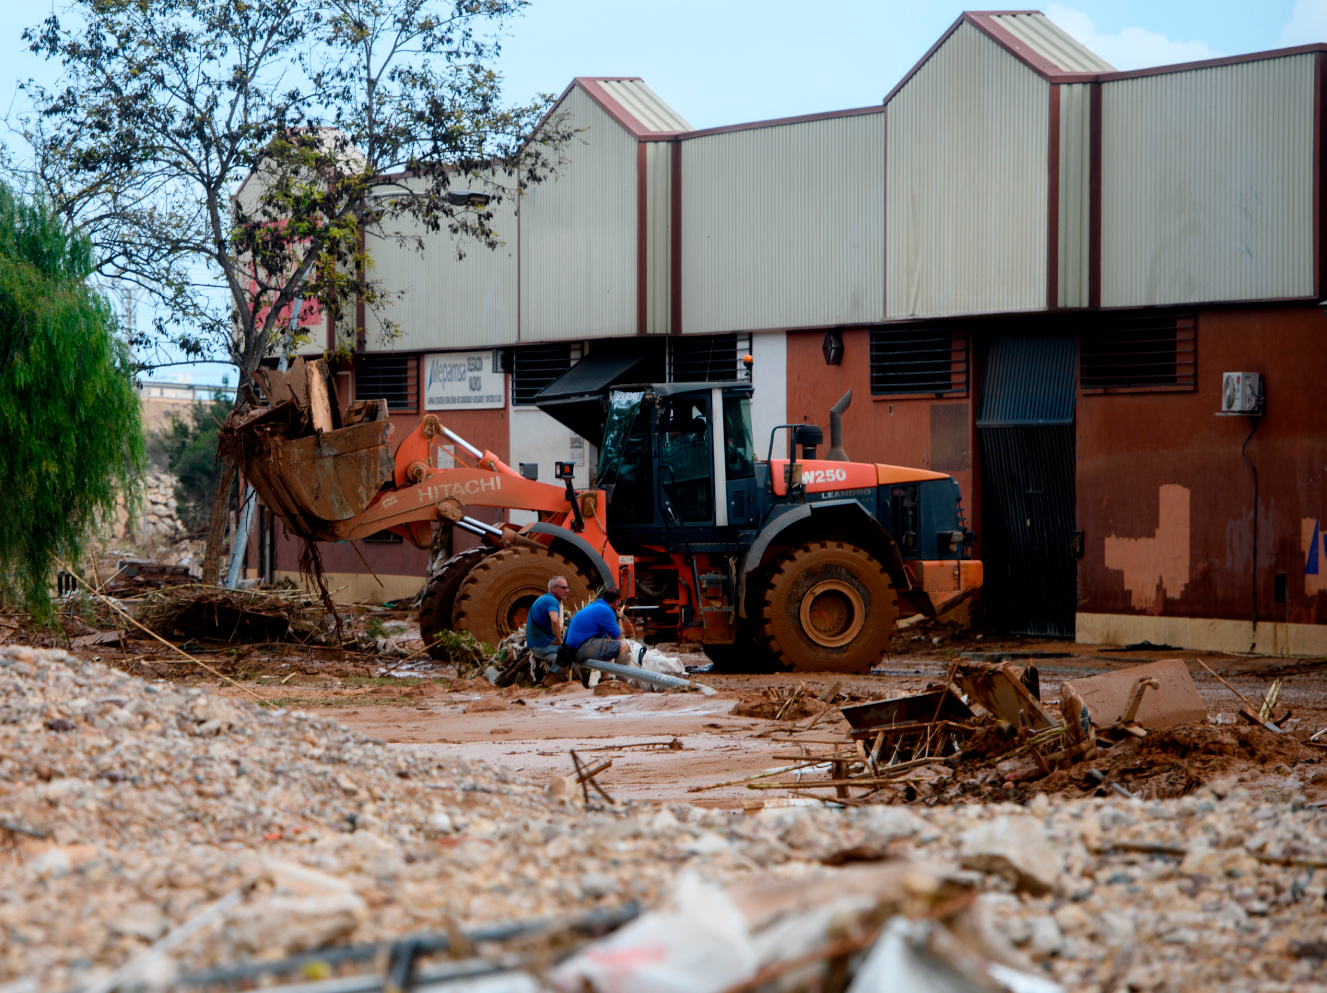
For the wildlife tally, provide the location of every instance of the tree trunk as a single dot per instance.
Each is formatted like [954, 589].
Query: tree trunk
[216, 534]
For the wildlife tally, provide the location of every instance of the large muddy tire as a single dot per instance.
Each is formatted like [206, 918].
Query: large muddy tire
[495, 597]
[435, 608]
[828, 607]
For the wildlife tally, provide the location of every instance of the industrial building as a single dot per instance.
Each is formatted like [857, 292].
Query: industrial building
[1032, 270]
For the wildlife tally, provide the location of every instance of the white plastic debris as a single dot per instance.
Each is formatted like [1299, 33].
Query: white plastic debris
[698, 943]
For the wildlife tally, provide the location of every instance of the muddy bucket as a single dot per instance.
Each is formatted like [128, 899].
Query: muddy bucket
[317, 480]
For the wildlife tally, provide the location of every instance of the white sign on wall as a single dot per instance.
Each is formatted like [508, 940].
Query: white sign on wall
[462, 381]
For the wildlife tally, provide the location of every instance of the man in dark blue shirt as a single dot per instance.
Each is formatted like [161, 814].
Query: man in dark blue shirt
[594, 633]
[543, 625]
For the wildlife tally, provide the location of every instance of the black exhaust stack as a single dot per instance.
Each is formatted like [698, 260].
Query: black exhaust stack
[836, 452]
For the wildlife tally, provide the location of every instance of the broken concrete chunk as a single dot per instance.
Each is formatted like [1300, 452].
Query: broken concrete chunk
[1177, 701]
[1017, 848]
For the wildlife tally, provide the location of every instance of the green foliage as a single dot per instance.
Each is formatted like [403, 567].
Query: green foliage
[189, 449]
[71, 438]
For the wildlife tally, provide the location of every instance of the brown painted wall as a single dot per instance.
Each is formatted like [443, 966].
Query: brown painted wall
[897, 431]
[1166, 501]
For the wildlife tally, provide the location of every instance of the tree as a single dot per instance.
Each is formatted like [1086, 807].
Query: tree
[71, 440]
[259, 142]
[188, 448]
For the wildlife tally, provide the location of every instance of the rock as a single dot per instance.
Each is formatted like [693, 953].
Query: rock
[1044, 937]
[141, 920]
[1017, 848]
[283, 924]
[708, 843]
[596, 885]
[1020, 769]
[51, 864]
[889, 823]
[1201, 861]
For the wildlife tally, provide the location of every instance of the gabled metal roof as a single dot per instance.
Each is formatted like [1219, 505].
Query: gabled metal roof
[632, 104]
[644, 104]
[1051, 42]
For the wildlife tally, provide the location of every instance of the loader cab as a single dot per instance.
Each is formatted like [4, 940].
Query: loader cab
[683, 470]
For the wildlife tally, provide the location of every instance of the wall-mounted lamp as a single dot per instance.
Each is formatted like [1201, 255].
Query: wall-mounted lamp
[467, 198]
[832, 348]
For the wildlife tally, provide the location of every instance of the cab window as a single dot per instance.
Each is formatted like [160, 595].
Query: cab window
[685, 459]
[737, 449]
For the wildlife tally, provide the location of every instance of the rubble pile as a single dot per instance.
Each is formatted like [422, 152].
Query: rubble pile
[235, 615]
[128, 807]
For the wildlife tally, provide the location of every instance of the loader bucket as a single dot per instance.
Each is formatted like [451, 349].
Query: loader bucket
[317, 480]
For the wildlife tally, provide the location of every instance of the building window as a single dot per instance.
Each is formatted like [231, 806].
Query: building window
[1148, 352]
[534, 367]
[394, 378]
[383, 538]
[707, 358]
[929, 360]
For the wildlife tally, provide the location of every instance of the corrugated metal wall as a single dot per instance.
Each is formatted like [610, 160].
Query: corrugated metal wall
[783, 226]
[659, 230]
[444, 302]
[1075, 186]
[967, 184]
[1207, 184]
[578, 234]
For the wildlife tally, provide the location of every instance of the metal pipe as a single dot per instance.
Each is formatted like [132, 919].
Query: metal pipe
[645, 676]
[836, 412]
[463, 443]
[486, 528]
[240, 540]
[465, 526]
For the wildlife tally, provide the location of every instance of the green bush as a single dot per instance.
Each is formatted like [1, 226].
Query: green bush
[71, 436]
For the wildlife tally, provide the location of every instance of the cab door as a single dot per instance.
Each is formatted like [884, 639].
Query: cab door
[686, 461]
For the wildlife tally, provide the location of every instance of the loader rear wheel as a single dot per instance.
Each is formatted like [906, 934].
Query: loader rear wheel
[828, 607]
[435, 607]
[495, 597]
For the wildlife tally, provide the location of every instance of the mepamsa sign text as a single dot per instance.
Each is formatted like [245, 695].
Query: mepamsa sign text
[462, 380]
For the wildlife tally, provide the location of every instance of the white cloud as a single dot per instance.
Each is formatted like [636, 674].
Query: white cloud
[1307, 24]
[1135, 48]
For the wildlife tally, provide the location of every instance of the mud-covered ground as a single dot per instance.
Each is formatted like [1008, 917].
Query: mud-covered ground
[680, 747]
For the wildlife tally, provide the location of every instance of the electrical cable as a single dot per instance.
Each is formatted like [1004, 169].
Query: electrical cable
[1253, 563]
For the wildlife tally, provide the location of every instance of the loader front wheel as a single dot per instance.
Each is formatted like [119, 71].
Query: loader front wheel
[828, 607]
[435, 607]
[494, 599]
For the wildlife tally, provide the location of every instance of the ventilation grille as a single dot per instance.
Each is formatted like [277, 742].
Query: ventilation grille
[738, 510]
[1133, 354]
[707, 358]
[534, 367]
[929, 360]
[394, 378]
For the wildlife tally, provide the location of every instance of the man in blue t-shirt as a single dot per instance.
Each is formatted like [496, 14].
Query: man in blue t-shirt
[543, 625]
[594, 634]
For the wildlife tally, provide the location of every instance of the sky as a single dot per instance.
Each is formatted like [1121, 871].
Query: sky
[722, 62]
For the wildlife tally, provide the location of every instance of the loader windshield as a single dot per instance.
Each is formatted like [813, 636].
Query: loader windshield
[622, 410]
[625, 461]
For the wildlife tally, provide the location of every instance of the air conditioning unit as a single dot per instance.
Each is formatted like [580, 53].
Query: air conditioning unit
[1241, 393]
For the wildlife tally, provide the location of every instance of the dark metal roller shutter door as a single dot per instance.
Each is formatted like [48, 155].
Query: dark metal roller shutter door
[1025, 426]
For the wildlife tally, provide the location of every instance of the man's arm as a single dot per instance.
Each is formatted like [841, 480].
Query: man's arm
[555, 625]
